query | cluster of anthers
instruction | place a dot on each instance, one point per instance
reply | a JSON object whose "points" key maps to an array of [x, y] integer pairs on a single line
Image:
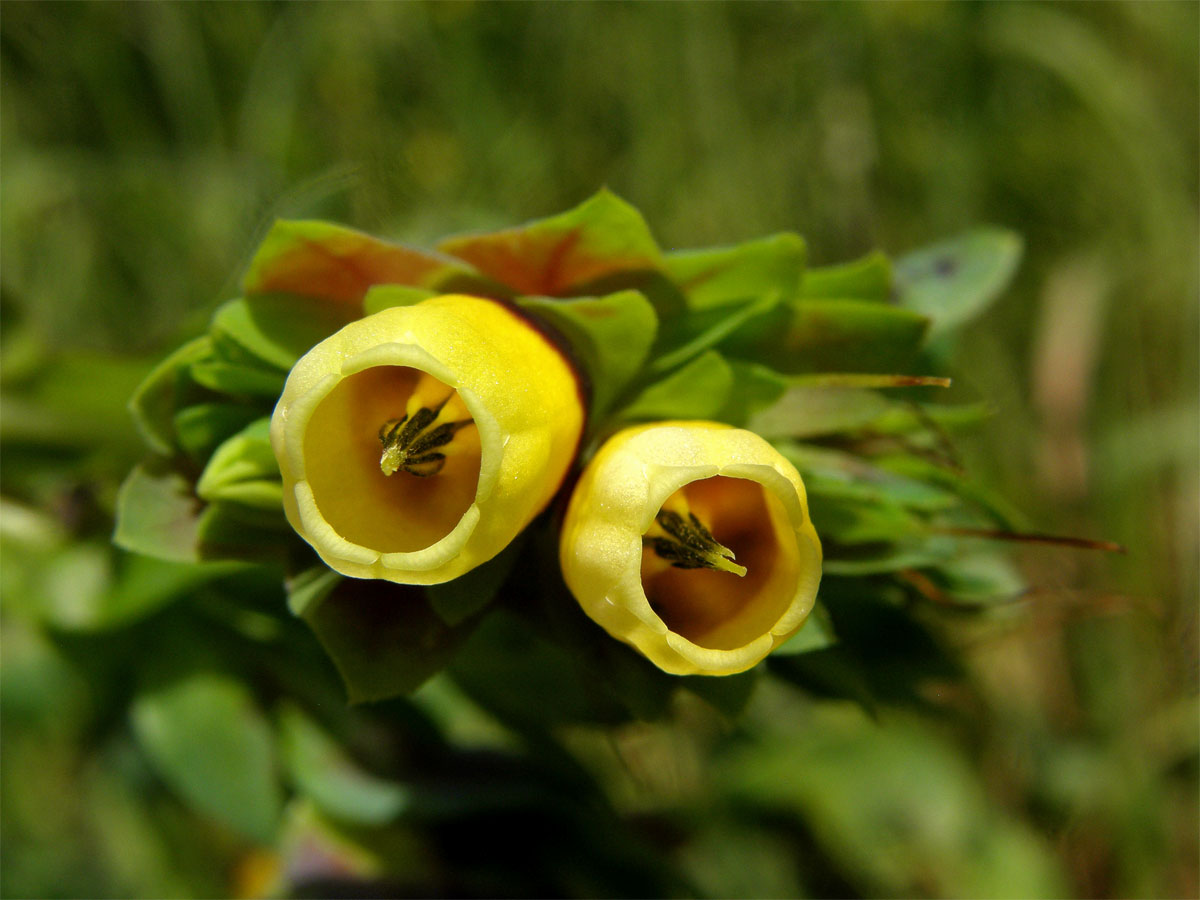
{"points": [[418, 442]]}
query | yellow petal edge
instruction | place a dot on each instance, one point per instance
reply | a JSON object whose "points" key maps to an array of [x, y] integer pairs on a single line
{"points": [[698, 621], [490, 365]]}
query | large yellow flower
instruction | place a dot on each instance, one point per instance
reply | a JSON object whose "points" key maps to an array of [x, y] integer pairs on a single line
{"points": [[416, 443], [691, 541]]}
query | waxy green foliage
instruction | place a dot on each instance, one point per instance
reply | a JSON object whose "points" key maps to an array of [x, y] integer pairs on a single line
{"points": [[819, 360]]}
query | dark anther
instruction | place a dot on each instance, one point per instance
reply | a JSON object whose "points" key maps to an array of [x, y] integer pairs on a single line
{"points": [[689, 545], [409, 446]]}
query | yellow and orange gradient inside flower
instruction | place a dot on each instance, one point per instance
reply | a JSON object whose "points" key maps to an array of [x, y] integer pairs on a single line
{"points": [[691, 541], [416, 443]]}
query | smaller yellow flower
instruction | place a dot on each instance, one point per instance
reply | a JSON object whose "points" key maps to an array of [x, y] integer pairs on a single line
{"points": [[691, 541], [416, 443]]}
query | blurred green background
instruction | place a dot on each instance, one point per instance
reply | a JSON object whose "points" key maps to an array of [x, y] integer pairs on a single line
{"points": [[145, 149]]}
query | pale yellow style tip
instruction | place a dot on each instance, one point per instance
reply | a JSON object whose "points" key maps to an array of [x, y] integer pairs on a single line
{"points": [[653, 530], [417, 442]]}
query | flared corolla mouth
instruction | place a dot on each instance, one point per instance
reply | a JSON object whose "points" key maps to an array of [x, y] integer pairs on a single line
{"points": [[720, 565], [391, 459]]}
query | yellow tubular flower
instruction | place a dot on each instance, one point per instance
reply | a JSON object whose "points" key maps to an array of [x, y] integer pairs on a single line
{"points": [[416, 443], [691, 541]]}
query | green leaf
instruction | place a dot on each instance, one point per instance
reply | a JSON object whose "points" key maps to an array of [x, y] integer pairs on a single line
{"points": [[852, 561], [92, 588], [904, 417], [850, 521], [390, 295], [724, 275], [209, 742], [728, 694], [699, 390], [813, 411], [458, 600], [998, 508], [612, 336], [979, 578], [562, 255], [956, 280], [338, 265], [816, 634], [237, 379], [233, 531], [892, 653], [384, 638], [868, 278], [202, 427], [528, 681], [310, 586], [277, 329], [896, 806], [685, 337], [244, 470], [755, 388], [154, 403], [831, 336], [158, 514], [321, 770], [834, 473]]}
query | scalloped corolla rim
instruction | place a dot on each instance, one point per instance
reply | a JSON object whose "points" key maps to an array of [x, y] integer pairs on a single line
{"points": [[354, 559], [620, 604]]}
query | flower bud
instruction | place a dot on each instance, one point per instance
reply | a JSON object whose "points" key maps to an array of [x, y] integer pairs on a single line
{"points": [[691, 541], [417, 442]]}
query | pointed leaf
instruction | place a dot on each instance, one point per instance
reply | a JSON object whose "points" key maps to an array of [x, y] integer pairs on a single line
{"points": [[238, 379], [868, 278], [158, 514], [1004, 513], [892, 652], [857, 560], [811, 411], [322, 771], [834, 473], [334, 263], [210, 743], [686, 337], [310, 586], [847, 520], [815, 634], [728, 694], [235, 531], [244, 470], [979, 578], [202, 427], [954, 281], [526, 680], [755, 388], [697, 391], [277, 329], [384, 638], [93, 588], [611, 335], [458, 600], [154, 403], [831, 336], [724, 275], [557, 256]]}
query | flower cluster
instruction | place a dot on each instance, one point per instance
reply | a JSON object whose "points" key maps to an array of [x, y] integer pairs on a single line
{"points": [[419, 441], [384, 423]]}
